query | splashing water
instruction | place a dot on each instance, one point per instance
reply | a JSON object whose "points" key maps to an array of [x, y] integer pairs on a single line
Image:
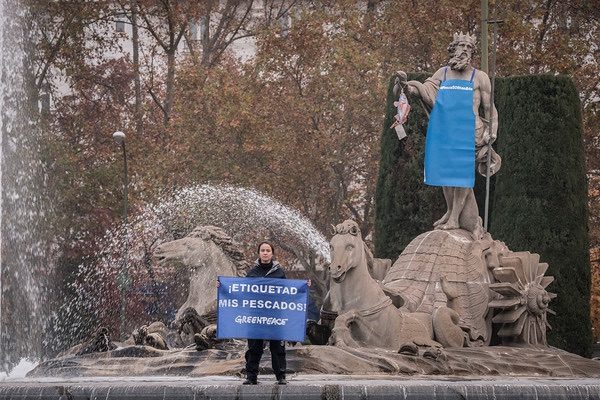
{"points": [[23, 263], [3, 89], [245, 214], [19, 370], [239, 211]]}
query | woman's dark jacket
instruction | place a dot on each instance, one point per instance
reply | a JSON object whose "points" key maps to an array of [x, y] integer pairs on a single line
{"points": [[270, 270]]}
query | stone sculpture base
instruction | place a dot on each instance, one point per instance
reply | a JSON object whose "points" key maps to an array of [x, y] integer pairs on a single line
{"points": [[461, 362]]}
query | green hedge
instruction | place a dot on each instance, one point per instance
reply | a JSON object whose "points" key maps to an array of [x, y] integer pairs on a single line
{"points": [[538, 198]]}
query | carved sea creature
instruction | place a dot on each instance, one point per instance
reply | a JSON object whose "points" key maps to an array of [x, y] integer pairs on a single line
{"points": [[190, 324], [207, 338], [153, 335], [98, 343]]}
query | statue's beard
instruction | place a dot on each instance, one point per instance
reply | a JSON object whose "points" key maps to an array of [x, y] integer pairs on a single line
{"points": [[459, 62]]}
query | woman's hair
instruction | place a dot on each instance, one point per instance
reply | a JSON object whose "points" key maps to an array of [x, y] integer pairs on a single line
{"points": [[270, 245]]}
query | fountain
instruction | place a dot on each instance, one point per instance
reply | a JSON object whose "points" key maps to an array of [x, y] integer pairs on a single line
{"points": [[246, 213], [23, 248], [187, 373], [472, 372]]}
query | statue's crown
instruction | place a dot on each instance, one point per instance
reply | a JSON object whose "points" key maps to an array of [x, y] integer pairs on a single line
{"points": [[464, 37]]}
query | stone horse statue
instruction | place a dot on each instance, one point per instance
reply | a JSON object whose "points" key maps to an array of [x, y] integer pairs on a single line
{"points": [[367, 316], [205, 253]]}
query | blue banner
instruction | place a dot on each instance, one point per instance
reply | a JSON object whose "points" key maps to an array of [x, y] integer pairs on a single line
{"points": [[262, 308]]}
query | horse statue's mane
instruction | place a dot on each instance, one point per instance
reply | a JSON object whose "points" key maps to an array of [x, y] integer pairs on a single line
{"points": [[219, 237], [348, 226], [351, 227]]}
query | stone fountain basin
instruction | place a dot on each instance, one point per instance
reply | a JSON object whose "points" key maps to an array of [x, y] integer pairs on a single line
{"points": [[496, 361], [314, 372]]}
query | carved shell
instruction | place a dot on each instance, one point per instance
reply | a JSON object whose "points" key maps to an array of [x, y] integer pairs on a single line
{"points": [[454, 256], [524, 302]]}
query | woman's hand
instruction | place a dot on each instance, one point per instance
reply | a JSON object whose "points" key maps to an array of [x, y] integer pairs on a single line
{"points": [[218, 283]]}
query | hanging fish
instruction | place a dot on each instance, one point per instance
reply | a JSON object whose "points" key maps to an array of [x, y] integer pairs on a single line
{"points": [[402, 115]]}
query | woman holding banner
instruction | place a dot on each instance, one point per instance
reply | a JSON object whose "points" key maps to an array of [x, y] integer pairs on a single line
{"points": [[265, 267]]}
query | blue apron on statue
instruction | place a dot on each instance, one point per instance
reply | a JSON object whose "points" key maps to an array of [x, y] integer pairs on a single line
{"points": [[450, 142]]}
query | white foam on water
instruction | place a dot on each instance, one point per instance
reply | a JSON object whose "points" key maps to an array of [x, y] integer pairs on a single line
{"points": [[20, 370]]}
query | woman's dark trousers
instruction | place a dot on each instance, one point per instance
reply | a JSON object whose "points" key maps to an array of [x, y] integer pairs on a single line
{"points": [[254, 353]]}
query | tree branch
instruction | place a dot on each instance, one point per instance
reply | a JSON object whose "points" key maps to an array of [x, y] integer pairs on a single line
{"points": [[158, 103], [151, 28]]}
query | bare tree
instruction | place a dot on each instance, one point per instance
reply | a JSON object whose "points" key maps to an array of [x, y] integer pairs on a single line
{"points": [[57, 37], [166, 21]]}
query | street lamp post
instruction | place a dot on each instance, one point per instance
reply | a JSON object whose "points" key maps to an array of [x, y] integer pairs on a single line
{"points": [[123, 276]]}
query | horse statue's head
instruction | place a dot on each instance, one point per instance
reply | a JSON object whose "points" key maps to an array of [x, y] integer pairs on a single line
{"points": [[204, 247], [204, 254], [347, 250]]}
